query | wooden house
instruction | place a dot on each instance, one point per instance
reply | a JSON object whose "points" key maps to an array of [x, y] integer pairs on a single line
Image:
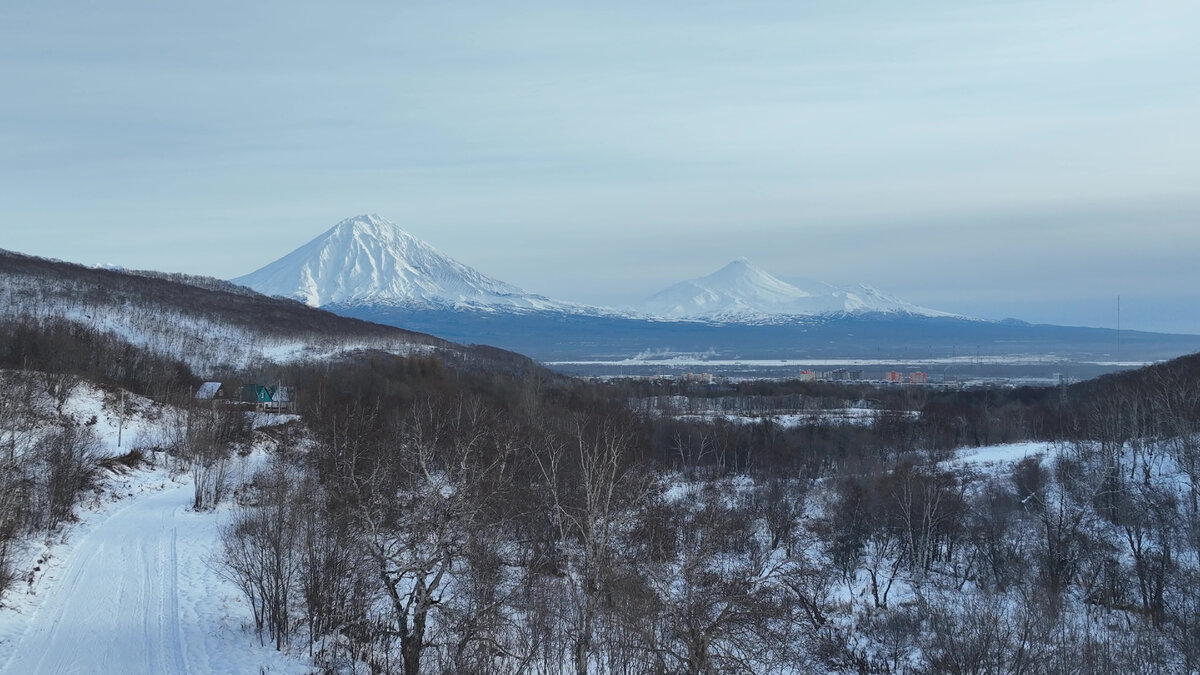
{"points": [[283, 399], [273, 399], [212, 391], [256, 393]]}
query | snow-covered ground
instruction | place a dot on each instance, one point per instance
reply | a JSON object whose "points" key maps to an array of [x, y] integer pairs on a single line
{"points": [[996, 455], [134, 590], [131, 586]]}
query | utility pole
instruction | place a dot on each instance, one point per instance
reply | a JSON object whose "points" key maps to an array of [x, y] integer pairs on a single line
{"points": [[1118, 329], [121, 419]]}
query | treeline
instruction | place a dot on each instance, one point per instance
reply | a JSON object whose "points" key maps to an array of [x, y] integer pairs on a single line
{"points": [[1148, 401], [74, 350], [1156, 402], [744, 434], [940, 418]]}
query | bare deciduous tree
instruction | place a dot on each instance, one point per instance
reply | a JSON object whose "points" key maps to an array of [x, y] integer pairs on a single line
{"points": [[590, 485]]}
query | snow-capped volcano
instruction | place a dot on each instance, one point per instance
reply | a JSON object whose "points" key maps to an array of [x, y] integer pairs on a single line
{"points": [[742, 291], [368, 264], [368, 260]]}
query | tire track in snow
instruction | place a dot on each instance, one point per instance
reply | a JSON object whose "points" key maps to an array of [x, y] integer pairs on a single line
{"points": [[174, 632], [77, 561]]}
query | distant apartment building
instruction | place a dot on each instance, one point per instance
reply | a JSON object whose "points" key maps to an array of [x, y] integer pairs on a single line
{"points": [[844, 375], [894, 376], [808, 375], [918, 378]]}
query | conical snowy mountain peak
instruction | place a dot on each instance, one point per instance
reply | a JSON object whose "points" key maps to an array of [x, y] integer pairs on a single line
{"points": [[753, 284], [368, 260], [741, 291]]}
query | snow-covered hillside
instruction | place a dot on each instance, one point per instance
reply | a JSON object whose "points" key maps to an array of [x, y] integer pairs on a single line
{"points": [[369, 260], [740, 291], [185, 320]]}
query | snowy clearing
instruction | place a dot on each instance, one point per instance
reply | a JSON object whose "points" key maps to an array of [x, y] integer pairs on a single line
{"points": [[1000, 454]]}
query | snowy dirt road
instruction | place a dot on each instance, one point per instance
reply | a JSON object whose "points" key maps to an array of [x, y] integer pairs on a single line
{"points": [[136, 594], [115, 607]]}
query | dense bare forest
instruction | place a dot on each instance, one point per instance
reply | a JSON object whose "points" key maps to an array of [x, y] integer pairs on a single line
{"points": [[488, 524]]}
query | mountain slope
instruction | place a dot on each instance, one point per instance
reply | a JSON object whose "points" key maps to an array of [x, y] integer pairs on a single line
{"points": [[740, 291], [367, 260]]}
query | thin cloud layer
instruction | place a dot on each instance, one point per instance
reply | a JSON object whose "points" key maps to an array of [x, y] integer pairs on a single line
{"points": [[971, 157]]}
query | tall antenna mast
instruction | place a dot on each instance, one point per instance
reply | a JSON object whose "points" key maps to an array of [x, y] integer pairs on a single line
{"points": [[1118, 329]]}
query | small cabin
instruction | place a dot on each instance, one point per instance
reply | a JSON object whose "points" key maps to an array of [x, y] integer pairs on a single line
{"points": [[283, 399], [212, 391]]}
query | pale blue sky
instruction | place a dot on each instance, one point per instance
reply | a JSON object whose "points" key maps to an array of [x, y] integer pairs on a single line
{"points": [[1029, 159]]}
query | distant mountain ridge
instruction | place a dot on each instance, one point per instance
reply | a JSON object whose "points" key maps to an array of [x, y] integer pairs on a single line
{"points": [[368, 261], [741, 291]]}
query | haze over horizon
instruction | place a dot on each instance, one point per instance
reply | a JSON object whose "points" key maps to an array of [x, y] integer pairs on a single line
{"points": [[1020, 159]]}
